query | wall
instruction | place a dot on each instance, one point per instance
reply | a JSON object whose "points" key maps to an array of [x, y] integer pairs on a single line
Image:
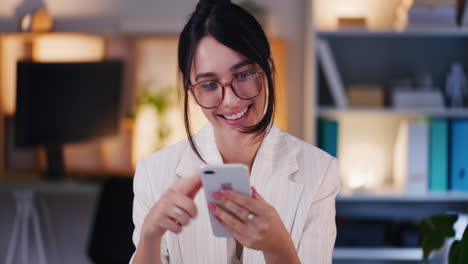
{"points": [[112, 16]]}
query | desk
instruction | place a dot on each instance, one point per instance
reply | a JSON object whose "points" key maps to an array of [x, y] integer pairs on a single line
{"points": [[32, 213]]}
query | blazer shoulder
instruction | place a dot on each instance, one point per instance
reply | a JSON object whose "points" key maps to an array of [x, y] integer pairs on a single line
{"points": [[314, 163], [307, 151], [170, 152], [165, 160]]}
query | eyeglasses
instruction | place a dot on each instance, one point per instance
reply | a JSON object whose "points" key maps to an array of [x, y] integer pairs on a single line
{"points": [[245, 85]]}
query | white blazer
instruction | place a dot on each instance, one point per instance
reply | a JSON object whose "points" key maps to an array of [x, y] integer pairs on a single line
{"points": [[299, 180]]}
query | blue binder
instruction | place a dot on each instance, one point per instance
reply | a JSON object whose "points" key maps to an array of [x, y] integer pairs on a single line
{"points": [[438, 155], [328, 136], [459, 155]]}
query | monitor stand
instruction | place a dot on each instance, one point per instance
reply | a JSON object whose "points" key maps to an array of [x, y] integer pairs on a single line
{"points": [[55, 162]]}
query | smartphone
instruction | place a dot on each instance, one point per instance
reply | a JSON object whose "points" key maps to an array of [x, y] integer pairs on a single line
{"points": [[231, 176]]}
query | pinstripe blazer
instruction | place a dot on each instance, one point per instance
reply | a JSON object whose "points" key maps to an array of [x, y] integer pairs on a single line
{"points": [[299, 180]]}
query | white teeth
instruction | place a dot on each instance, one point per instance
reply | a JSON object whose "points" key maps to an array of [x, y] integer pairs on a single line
{"points": [[237, 116]]}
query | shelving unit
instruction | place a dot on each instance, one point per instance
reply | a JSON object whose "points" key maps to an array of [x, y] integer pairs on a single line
{"points": [[378, 254], [397, 197], [409, 32], [393, 205], [331, 112], [377, 57]]}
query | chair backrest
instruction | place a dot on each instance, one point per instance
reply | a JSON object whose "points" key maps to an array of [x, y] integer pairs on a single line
{"points": [[111, 234]]}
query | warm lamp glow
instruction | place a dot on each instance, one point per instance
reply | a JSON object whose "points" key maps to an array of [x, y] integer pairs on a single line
{"points": [[365, 150], [145, 138], [53, 47], [68, 48], [13, 49], [364, 167]]}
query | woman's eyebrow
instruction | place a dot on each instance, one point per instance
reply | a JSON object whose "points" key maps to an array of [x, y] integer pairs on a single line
{"points": [[233, 67], [205, 74], [240, 64]]}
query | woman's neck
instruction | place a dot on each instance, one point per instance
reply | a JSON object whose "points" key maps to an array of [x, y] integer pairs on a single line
{"points": [[240, 149]]}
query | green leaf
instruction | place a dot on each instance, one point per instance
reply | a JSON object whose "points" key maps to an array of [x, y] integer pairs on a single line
{"points": [[434, 232], [463, 248], [454, 252]]}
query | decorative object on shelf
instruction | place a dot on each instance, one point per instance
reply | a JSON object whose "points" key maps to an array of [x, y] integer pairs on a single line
{"points": [[432, 13], [366, 95], [41, 21], [411, 158], [422, 80], [332, 75], [461, 6], [401, 15], [352, 22], [449, 235], [410, 98], [416, 92], [25, 23], [456, 86]]}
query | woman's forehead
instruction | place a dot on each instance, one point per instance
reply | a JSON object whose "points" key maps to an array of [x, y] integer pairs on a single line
{"points": [[212, 56]]}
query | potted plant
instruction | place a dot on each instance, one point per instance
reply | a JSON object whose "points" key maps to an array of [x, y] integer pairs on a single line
{"points": [[435, 230]]}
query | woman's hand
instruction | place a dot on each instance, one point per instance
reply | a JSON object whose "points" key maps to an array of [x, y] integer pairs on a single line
{"points": [[255, 224], [174, 209]]}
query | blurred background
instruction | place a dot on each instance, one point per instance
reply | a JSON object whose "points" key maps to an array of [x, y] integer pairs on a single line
{"points": [[89, 88]]}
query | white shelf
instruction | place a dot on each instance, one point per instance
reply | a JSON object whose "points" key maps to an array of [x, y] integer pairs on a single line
{"points": [[331, 112], [391, 196], [378, 254], [410, 32]]}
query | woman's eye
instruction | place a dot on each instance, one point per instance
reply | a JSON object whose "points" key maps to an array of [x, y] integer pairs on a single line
{"points": [[243, 75], [209, 85]]}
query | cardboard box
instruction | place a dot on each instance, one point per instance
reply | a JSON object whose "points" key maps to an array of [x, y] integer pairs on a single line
{"points": [[366, 96]]}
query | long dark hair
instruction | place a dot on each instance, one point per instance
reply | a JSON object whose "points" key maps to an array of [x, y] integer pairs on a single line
{"points": [[237, 29]]}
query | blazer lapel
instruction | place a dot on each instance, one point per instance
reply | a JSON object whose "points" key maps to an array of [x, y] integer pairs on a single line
{"points": [[197, 240], [272, 176]]}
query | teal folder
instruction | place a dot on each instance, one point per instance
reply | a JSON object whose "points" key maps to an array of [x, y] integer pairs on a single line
{"points": [[459, 155], [328, 136], [438, 155]]}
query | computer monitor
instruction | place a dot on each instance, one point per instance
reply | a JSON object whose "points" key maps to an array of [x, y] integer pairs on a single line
{"points": [[59, 103]]}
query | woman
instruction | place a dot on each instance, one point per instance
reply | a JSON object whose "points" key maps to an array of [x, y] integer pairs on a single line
{"points": [[226, 65]]}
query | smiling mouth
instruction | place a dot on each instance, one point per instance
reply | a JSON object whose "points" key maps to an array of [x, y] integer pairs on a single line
{"points": [[236, 116]]}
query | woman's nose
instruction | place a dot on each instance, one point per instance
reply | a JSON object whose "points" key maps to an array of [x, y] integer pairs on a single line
{"points": [[230, 98]]}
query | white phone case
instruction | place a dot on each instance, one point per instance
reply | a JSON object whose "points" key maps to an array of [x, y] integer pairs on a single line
{"points": [[224, 176]]}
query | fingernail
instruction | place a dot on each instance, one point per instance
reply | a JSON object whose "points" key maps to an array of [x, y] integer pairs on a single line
{"points": [[254, 192], [211, 207], [217, 196], [226, 193]]}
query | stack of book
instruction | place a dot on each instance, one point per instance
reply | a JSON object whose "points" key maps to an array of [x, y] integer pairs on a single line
{"points": [[432, 156], [428, 156], [328, 136]]}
